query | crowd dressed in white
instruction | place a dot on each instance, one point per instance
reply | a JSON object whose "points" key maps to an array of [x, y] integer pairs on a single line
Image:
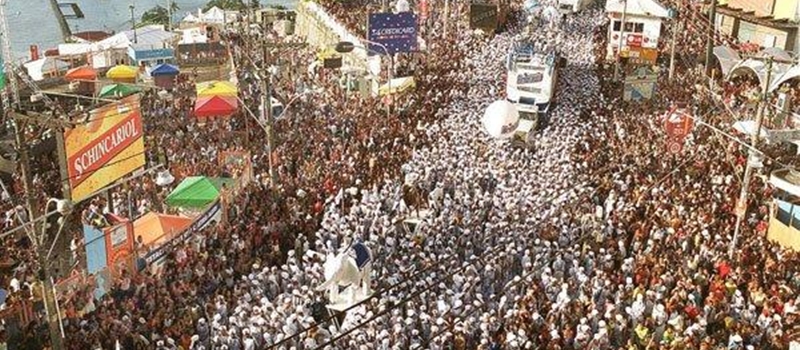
{"points": [[504, 249]]}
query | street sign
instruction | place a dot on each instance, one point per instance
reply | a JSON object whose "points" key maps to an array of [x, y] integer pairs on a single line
{"points": [[678, 122], [675, 146]]}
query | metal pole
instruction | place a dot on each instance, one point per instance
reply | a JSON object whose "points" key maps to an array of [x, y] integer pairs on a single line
{"points": [[672, 50], [133, 24], [446, 16], [37, 238], [58, 307], [169, 15], [712, 14], [391, 77], [621, 35], [748, 171], [266, 104]]}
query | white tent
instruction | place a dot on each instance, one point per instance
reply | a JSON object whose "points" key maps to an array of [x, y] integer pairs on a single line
{"points": [[44, 66], [190, 18], [649, 8], [213, 15]]}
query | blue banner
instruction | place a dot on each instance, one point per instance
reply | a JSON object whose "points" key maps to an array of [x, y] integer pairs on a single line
{"points": [[395, 32], [95, 244]]}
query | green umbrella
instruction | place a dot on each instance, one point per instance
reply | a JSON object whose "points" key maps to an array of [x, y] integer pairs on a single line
{"points": [[118, 90]]}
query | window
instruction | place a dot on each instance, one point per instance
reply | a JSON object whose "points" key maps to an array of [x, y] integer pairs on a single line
{"points": [[629, 26], [638, 28], [529, 78], [617, 24], [784, 214]]}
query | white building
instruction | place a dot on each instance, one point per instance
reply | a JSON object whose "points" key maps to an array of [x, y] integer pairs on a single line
{"points": [[125, 47], [642, 27]]}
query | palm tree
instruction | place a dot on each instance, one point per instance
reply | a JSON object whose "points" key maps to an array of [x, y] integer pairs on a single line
{"points": [[158, 15]]}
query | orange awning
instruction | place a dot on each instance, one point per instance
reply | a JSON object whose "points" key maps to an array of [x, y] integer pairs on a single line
{"points": [[81, 73], [156, 229]]}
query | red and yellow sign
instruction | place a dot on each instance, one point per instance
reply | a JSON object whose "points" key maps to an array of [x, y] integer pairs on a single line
{"points": [[106, 149]]}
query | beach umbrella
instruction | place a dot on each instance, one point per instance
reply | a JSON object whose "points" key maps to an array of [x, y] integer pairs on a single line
{"points": [[81, 73], [118, 90], [122, 73], [164, 69], [215, 106], [216, 88]]}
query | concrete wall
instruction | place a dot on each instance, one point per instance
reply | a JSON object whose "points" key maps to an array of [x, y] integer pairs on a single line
{"points": [[785, 9], [322, 31], [784, 235]]}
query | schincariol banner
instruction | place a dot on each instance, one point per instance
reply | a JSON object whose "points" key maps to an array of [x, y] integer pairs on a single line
{"points": [[105, 149]]}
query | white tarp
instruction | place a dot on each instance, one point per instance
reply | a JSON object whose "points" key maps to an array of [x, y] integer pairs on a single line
{"points": [[48, 65], [728, 58], [748, 127]]}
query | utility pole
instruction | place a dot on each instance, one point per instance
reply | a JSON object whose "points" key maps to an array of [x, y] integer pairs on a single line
{"points": [[676, 28], [446, 16], [712, 17], [169, 15], [266, 105], [741, 204], [621, 36], [37, 235], [133, 24]]}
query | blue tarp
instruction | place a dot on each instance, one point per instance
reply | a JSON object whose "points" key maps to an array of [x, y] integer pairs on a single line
{"points": [[95, 249], [164, 69]]}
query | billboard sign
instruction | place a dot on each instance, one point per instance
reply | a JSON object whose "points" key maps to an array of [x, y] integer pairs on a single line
{"points": [[483, 17], [396, 32], [105, 149], [678, 123]]}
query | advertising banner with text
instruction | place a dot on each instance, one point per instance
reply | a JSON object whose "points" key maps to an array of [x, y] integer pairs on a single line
{"points": [[395, 32], [483, 17], [108, 147]]}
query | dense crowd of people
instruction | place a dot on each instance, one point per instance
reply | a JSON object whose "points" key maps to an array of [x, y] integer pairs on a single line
{"points": [[594, 239]]}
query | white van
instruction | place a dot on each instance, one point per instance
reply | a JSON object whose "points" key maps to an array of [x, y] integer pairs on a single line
{"points": [[572, 6]]}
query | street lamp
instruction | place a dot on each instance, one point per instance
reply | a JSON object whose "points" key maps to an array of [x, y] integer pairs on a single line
{"points": [[346, 47], [294, 99], [164, 178]]}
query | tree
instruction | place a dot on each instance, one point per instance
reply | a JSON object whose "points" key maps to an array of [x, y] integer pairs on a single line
{"points": [[232, 5], [158, 15]]}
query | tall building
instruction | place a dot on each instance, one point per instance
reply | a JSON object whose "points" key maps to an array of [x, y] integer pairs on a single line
{"points": [[767, 23]]}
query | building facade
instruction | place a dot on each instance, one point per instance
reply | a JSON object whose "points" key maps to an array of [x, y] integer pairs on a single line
{"points": [[767, 23]]}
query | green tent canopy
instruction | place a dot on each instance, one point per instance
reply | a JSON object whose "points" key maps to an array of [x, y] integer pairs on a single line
{"points": [[198, 191], [118, 90]]}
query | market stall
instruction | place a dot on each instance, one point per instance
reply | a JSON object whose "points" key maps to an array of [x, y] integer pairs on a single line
{"points": [[84, 79], [164, 75]]}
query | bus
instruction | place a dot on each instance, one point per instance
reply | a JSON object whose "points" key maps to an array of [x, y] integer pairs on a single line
{"points": [[531, 80]]}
